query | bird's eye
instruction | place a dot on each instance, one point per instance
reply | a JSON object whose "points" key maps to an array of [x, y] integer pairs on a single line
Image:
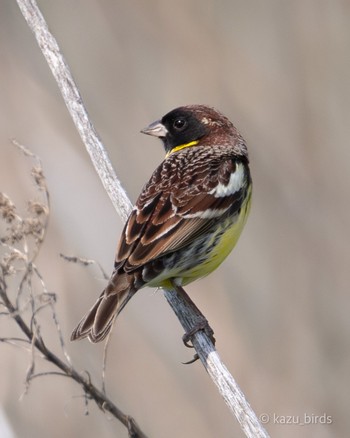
{"points": [[179, 124]]}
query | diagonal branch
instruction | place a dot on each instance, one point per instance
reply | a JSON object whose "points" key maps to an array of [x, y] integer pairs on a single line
{"points": [[90, 390], [201, 341], [20, 243]]}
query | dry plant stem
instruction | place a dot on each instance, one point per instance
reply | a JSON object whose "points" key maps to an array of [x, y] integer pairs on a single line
{"points": [[202, 343], [76, 108], [21, 241], [90, 390], [217, 370]]}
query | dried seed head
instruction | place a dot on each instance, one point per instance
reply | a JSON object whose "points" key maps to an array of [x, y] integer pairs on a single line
{"points": [[14, 233], [37, 208], [7, 208], [39, 178], [8, 261], [33, 226]]}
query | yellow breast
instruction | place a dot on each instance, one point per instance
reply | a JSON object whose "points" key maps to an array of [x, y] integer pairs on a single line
{"points": [[224, 246]]}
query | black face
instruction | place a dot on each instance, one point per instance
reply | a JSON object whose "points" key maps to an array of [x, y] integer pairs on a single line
{"points": [[182, 128]]}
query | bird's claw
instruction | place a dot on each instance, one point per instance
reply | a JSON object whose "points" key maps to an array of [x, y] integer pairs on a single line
{"points": [[195, 358], [187, 337]]}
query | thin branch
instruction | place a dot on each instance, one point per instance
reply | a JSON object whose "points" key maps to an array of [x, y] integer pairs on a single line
{"points": [[205, 349], [76, 108], [20, 232], [85, 262], [50, 299], [13, 341], [90, 390]]}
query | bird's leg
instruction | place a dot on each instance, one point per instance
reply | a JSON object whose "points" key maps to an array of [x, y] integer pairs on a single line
{"points": [[201, 322]]}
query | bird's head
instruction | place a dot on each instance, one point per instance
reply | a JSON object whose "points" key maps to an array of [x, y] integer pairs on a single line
{"points": [[195, 125]]}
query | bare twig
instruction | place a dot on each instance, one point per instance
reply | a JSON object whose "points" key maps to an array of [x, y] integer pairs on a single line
{"points": [[85, 262], [90, 390], [74, 102], [201, 341], [22, 242]]}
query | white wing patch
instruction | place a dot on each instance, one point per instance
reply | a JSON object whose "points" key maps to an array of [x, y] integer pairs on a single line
{"points": [[235, 183], [206, 214]]}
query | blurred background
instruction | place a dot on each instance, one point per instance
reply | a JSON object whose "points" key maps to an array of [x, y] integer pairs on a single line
{"points": [[279, 305]]}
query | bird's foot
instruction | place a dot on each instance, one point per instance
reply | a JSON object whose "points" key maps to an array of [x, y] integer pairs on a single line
{"points": [[187, 337]]}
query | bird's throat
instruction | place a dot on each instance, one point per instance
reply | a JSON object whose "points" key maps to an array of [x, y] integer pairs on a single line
{"points": [[182, 146]]}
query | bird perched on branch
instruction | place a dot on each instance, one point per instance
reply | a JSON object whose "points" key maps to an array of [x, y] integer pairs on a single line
{"points": [[188, 216]]}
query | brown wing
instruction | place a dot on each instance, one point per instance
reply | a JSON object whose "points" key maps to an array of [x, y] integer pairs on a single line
{"points": [[173, 211]]}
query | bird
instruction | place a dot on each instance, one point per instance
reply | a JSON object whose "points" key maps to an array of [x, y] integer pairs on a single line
{"points": [[188, 216]]}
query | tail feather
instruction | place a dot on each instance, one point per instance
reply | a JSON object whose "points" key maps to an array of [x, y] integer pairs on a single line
{"points": [[97, 323]]}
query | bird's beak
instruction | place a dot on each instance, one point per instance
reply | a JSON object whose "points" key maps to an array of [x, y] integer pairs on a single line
{"points": [[157, 129]]}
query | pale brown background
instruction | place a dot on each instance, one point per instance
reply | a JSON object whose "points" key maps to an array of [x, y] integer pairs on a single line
{"points": [[280, 304]]}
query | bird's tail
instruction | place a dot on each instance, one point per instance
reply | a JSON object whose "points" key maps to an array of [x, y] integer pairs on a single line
{"points": [[98, 322]]}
